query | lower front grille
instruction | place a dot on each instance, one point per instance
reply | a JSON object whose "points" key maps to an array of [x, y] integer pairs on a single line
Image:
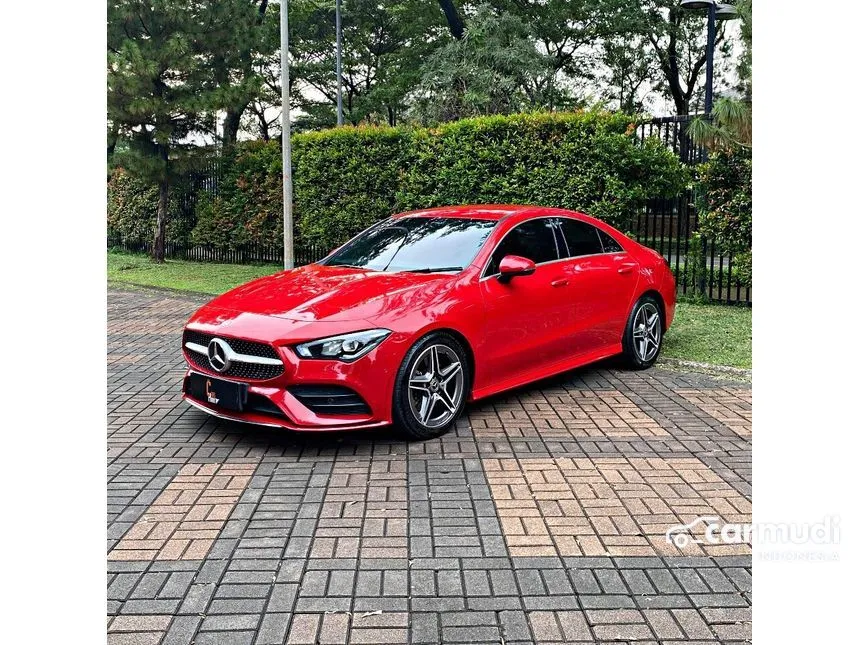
{"points": [[329, 399], [261, 405]]}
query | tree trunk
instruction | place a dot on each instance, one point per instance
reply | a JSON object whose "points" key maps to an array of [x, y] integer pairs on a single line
{"points": [[231, 126], [455, 22], [160, 222]]}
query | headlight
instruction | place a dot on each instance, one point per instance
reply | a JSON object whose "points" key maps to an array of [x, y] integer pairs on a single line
{"points": [[346, 347]]}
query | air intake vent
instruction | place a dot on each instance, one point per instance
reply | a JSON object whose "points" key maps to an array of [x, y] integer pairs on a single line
{"points": [[329, 399]]}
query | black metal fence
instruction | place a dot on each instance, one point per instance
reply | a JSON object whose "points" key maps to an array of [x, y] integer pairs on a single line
{"points": [[666, 225], [238, 254], [669, 226]]}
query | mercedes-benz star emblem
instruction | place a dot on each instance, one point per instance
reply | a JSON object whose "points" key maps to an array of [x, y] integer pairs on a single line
{"points": [[219, 355]]}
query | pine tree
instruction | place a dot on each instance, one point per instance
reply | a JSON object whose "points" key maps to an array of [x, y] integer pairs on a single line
{"points": [[163, 94]]}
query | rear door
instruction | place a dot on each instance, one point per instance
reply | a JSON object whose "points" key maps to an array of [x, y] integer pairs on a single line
{"points": [[526, 316], [602, 278]]}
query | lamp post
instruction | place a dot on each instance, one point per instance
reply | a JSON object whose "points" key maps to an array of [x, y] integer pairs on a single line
{"points": [[286, 148], [716, 11], [339, 64]]}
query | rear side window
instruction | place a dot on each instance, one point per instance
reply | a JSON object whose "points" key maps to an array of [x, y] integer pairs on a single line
{"points": [[581, 238], [534, 240], [609, 243]]}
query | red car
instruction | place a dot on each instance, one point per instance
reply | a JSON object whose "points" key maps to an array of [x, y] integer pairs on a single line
{"points": [[423, 312]]}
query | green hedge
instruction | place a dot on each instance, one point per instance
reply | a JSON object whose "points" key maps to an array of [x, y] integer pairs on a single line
{"points": [[132, 206], [348, 178], [584, 161], [725, 206]]}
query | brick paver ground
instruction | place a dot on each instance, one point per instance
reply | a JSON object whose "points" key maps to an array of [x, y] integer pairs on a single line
{"points": [[540, 518]]}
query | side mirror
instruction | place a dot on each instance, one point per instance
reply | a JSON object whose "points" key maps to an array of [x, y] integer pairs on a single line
{"points": [[514, 265]]}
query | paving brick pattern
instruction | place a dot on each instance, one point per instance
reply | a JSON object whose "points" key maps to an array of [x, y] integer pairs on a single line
{"points": [[183, 522], [539, 519]]}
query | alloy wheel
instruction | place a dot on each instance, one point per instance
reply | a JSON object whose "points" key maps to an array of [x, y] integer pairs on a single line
{"points": [[436, 386], [646, 332]]}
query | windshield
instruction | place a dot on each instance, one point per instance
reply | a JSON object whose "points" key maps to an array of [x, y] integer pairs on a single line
{"points": [[416, 244]]}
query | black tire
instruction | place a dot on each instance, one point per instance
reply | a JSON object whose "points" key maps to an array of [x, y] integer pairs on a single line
{"points": [[633, 347], [404, 417]]}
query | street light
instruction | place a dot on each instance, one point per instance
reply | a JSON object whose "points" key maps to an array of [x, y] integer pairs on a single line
{"points": [[716, 11], [286, 149], [726, 12]]}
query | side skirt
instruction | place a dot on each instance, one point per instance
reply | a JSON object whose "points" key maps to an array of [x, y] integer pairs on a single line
{"points": [[549, 370]]}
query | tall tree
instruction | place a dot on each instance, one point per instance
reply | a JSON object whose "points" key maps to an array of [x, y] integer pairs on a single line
{"points": [[161, 94], [383, 46], [453, 18], [678, 39], [494, 69], [570, 32], [243, 39], [631, 70]]}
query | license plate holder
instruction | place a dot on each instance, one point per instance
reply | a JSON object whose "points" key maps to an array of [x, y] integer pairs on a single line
{"points": [[215, 391]]}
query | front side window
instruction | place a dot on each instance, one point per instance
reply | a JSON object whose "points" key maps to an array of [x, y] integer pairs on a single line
{"points": [[581, 238], [423, 244], [534, 240]]}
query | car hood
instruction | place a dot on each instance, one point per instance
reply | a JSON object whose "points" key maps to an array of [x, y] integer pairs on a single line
{"points": [[332, 294]]}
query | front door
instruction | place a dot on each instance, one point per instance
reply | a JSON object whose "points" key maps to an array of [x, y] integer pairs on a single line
{"points": [[526, 316]]}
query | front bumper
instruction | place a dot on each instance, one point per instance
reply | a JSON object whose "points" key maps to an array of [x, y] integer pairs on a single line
{"points": [[370, 377], [276, 422]]}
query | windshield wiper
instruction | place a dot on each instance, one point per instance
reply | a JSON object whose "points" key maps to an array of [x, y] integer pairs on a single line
{"points": [[434, 269], [351, 266]]}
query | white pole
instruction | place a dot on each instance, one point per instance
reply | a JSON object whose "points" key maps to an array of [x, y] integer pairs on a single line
{"points": [[338, 66], [286, 148]]}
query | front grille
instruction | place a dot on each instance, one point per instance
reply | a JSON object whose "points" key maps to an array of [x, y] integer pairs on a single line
{"points": [[329, 399], [249, 371]]}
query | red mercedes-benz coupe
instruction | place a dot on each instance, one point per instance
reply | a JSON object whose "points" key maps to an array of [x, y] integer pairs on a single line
{"points": [[423, 312]]}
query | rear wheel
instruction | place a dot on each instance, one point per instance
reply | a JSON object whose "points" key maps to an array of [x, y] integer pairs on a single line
{"points": [[643, 336], [431, 387]]}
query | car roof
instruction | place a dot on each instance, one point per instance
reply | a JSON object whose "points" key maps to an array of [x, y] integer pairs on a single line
{"points": [[494, 212]]}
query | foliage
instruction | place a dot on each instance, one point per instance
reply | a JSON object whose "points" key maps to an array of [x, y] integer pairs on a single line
{"points": [[493, 69], [348, 178], [726, 205], [166, 80], [677, 39], [131, 209], [185, 65], [631, 66], [383, 47], [584, 161], [744, 8], [245, 37], [730, 125]]}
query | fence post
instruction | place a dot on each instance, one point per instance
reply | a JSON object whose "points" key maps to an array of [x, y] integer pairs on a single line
{"points": [[701, 266]]}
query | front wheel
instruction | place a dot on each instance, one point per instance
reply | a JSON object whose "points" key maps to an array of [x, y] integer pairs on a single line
{"points": [[643, 336], [431, 387]]}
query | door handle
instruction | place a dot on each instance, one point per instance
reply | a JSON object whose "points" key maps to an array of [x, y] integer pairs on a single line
{"points": [[560, 282], [626, 268]]}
